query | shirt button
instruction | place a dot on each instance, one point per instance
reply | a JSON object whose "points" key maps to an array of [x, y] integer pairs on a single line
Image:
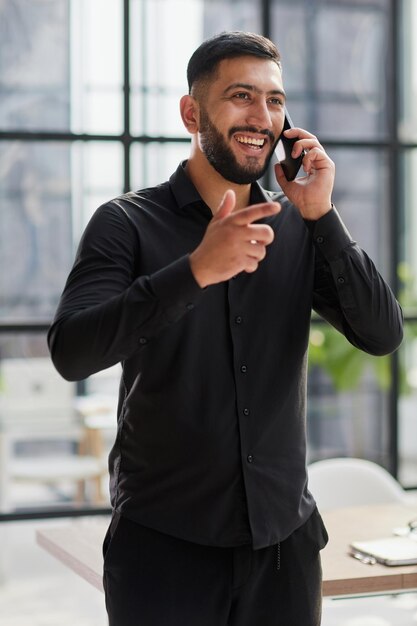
{"points": [[142, 341], [243, 369], [246, 411], [189, 306], [320, 239], [250, 458], [238, 319], [340, 279]]}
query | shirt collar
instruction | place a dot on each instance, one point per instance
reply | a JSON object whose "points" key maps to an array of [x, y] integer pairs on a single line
{"points": [[187, 196], [183, 189]]}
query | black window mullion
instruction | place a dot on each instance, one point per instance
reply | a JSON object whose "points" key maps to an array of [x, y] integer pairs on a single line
{"points": [[126, 96], [396, 199]]}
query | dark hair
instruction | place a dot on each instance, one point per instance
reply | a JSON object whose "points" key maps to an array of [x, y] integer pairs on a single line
{"points": [[228, 44]]}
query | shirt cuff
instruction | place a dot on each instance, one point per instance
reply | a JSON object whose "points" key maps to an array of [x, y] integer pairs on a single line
{"points": [[330, 234], [176, 287]]}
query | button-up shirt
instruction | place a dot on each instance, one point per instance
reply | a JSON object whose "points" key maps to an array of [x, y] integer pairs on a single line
{"points": [[211, 435]]}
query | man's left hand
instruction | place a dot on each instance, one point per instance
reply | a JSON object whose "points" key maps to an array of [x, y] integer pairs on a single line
{"points": [[312, 193]]}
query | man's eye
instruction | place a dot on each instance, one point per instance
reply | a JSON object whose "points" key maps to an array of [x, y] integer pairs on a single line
{"points": [[242, 96], [276, 101]]}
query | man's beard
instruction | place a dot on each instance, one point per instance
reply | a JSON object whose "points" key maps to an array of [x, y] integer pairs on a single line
{"points": [[221, 157]]}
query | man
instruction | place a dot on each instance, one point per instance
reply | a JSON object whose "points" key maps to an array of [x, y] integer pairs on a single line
{"points": [[203, 287]]}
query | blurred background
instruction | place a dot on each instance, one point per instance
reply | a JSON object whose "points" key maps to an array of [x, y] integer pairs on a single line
{"points": [[89, 93]]}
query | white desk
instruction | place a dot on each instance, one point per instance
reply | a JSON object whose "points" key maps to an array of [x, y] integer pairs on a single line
{"points": [[79, 547]]}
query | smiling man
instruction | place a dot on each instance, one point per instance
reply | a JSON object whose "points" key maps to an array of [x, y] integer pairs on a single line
{"points": [[230, 101], [202, 287]]}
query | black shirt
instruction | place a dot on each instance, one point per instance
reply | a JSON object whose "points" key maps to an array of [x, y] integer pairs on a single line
{"points": [[211, 442]]}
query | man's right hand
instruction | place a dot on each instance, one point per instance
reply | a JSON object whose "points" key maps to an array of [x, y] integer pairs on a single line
{"points": [[232, 242]]}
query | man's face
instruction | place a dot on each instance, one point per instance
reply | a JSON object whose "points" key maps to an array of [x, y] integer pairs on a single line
{"points": [[241, 118]]}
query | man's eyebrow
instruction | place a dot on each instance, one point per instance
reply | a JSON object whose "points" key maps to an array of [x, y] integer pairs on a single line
{"points": [[249, 87]]}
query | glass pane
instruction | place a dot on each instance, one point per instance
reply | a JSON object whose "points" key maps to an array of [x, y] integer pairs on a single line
{"points": [[231, 15], [335, 65], [97, 177], [61, 67], [53, 450], [159, 75], [408, 123], [347, 399], [154, 163], [96, 66], [407, 431], [40, 182], [34, 62], [35, 227], [408, 266], [362, 195]]}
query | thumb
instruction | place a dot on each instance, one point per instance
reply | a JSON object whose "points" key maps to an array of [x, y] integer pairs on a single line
{"points": [[226, 205], [280, 176]]}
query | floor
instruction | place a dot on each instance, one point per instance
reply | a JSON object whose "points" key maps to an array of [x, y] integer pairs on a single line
{"points": [[37, 590], [400, 610]]}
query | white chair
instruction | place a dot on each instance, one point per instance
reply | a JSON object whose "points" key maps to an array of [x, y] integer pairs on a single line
{"points": [[37, 406], [343, 482]]}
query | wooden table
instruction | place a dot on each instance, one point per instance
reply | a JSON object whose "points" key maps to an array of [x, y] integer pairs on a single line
{"points": [[78, 545], [344, 575]]}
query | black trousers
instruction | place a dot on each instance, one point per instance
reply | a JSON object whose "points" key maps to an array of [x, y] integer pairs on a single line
{"points": [[153, 579]]}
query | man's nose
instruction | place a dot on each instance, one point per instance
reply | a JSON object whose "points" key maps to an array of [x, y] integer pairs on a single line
{"points": [[259, 115]]}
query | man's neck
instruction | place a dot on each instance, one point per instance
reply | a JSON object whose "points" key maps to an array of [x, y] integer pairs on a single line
{"points": [[212, 186]]}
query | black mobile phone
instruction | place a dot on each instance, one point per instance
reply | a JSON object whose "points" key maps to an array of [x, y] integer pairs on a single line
{"points": [[283, 151]]}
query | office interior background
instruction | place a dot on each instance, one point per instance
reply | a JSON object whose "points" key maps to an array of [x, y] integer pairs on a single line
{"points": [[89, 93]]}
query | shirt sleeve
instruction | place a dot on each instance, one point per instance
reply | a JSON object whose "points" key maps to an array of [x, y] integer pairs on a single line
{"points": [[108, 310], [350, 293]]}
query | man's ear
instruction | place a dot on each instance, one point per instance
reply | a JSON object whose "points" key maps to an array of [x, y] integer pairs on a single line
{"points": [[190, 113]]}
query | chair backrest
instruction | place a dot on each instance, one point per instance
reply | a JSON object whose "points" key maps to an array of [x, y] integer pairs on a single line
{"points": [[33, 393], [341, 482]]}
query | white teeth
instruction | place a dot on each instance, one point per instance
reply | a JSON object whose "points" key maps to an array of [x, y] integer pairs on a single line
{"points": [[252, 141]]}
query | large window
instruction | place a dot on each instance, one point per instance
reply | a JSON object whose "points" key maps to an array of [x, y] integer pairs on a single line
{"points": [[89, 95]]}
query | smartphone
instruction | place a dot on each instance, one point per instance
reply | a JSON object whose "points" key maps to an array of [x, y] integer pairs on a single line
{"points": [[283, 151]]}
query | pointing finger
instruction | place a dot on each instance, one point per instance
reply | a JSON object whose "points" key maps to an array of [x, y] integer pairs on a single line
{"points": [[255, 212], [226, 205]]}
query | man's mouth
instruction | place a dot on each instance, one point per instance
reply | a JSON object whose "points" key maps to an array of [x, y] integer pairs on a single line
{"points": [[253, 142]]}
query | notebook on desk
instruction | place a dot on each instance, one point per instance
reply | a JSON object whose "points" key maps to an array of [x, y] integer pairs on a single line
{"points": [[392, 551]]}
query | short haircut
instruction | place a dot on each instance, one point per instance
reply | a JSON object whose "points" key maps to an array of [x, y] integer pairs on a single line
{"points": [[226, 45]]}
